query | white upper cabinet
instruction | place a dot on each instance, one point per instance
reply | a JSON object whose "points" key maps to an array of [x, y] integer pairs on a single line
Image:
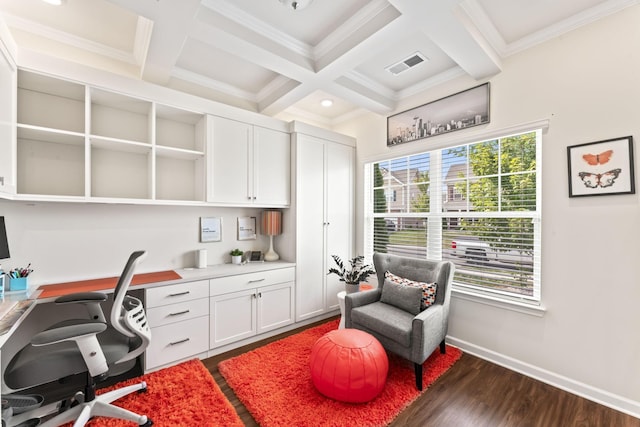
{"points": [[250, 165], [272, 167], [63, 140], [79, 142], [8, 73]]}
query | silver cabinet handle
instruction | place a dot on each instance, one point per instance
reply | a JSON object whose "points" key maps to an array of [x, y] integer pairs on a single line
{"points": [[256, 281], [179, 293], [179, 313], [179, 342]]}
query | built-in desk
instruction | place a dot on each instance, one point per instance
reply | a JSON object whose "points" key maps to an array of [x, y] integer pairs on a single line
{"points": [[105, 284], [184, 300]]}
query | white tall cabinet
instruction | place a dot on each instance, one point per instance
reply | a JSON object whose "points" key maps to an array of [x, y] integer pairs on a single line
{"points": [[324, 219]]}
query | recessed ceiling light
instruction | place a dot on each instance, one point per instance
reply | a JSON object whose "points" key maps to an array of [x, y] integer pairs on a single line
{"points": [[326, 103], [54, 2]]}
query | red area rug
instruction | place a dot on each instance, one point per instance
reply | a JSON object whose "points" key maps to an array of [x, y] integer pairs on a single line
{"points": [[274, 383], [182, 395]]}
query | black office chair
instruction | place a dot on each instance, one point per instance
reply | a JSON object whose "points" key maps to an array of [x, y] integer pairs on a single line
{"points": [[101, 350]]}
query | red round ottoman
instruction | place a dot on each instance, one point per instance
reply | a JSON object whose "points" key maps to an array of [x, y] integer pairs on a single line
{"points": [[349, 365]]}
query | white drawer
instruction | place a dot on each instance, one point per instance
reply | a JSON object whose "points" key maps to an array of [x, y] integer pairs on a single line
{"points": [[170, 294], [158, 316], [177, 341], [223, 285]]}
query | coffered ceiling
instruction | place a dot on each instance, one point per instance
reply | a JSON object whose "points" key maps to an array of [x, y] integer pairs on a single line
{"points": [[264, 56]]}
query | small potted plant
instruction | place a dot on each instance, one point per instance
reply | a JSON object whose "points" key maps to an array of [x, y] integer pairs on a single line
{"points": [[236, 256], [352, 277]]}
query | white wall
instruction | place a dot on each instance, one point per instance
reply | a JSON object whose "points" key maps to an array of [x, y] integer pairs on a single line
{"points": [[586, 84], [73, 241]]}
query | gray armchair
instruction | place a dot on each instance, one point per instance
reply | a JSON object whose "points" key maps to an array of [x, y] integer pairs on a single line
{"points": [[412, 336]]}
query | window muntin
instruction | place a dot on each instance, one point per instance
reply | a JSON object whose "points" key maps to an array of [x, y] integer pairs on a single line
{"points": [[476, 204]]}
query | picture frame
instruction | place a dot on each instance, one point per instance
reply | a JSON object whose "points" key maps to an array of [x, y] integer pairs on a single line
{"points": [[601, 168], [247, 228], [455, 112], [210, 229]]}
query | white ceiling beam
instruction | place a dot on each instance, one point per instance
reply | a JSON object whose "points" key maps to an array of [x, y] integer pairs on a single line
{"points": [[245, 48], [449, 27], [172, 23]]}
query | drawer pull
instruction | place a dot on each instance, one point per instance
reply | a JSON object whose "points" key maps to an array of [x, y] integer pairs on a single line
{"points": [[179, 313], [179, 294], [179, 342], [256, 281]]}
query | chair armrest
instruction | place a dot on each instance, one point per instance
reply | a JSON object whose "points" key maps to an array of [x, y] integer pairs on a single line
{"points": [[65, 333], [358, 299], [91, 301], [81, 297], [84, 336], [428, 331]]}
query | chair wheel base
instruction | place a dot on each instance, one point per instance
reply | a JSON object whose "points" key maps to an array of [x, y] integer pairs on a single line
{"points": [[149, 423]]}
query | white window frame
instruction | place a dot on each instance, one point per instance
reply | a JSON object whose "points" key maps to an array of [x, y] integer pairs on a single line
{"points": [[529, 305]]}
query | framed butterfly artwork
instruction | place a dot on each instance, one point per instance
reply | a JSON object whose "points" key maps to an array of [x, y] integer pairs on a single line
{"points": [[602, 167]]}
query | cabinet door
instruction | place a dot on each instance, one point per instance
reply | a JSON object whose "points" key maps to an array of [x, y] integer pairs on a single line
{"points": [[229, 160], [310, 227], [339, 199], [8, 88], [233, 317], [275, 306], [272, 167]]}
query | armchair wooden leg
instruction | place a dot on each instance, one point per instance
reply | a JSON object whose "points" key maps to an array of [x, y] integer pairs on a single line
{"points": [[443, 348], [418, 368]]}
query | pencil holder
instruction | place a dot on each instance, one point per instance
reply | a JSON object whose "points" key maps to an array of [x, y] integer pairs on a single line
{"points": [[18, 284]]}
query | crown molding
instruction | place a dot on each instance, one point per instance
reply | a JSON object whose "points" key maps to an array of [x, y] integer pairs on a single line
{"points": [[142, 41], [342, 33], [70, 40], [199, 79], [484, 24], [370, 84], [445, 76], [271, 87]]}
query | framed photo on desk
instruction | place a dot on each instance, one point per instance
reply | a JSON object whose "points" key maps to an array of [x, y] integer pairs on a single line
{"points": [[247, 228]]}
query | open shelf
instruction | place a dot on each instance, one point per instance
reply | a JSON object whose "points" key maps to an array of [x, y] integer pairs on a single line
{"points": [[178, 128], [51, 167], [120, 117], [120, 174], [179, 179], [50, 103], [75, 140]]}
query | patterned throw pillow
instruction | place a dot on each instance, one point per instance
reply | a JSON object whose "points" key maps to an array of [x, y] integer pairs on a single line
{"points": [[428, 289]]}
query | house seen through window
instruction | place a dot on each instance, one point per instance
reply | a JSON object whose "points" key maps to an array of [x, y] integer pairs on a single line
{"points": [[477, 205]]}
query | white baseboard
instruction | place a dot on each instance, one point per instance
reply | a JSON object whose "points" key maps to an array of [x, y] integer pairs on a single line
{"points": [[594, 394]]}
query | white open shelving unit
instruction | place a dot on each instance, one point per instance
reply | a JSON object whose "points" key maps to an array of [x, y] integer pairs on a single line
{"points": [[76, 142]]}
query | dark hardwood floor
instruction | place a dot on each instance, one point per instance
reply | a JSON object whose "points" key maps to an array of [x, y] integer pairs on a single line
{"points": [[475, 393]]}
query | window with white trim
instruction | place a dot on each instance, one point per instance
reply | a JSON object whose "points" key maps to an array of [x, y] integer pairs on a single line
{"points": [[476, 204]]}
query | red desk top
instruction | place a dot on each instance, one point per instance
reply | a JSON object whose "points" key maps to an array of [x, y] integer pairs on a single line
{"points": [[58, 289]]}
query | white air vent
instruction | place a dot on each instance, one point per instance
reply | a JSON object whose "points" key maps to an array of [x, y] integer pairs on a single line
{"points": [[406, 63]]}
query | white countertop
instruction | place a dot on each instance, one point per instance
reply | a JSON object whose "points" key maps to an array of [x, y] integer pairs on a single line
{"points": [[223, 270]]}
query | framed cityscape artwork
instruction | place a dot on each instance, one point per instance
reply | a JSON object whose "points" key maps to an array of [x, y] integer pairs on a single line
{"points": [[602, 167], [455, 112]]}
